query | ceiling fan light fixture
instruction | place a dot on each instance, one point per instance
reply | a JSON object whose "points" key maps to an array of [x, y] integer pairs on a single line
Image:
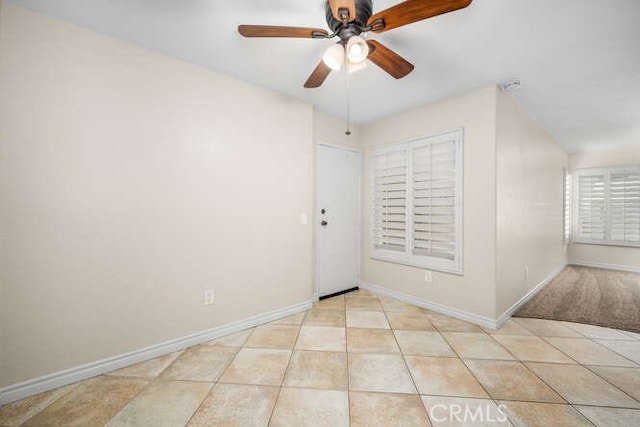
{"points": [[347, 19], [334, 57], [357, 49]]}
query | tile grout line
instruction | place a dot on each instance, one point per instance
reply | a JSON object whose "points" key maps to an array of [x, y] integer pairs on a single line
{"points": [[346, 351], [75, 385], [471, 372], [546, 339], [594, 340], [523, 364], [166, 368], [286, 371], [404, 359], [571, 326], [576, 364], [130, 400], [204, 399], [517, 319], [216, 382], [588, 367], [566, 403]]}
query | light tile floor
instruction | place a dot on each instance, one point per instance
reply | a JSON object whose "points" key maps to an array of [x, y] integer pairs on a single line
{"points": [[364, 360]]}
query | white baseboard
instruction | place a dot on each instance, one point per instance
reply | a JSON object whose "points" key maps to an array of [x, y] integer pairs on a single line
{"points": [[438, 308], [460, 314], [618, 267], [58, 379], [522, 301]]}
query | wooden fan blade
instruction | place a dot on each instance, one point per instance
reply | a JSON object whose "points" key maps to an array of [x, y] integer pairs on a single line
{"points": [[349, 5], [318, 76], [411, 11], [274, 31], [388, 60]]}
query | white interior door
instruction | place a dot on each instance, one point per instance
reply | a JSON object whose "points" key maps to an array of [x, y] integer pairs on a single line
{"points": [[338, 219]]}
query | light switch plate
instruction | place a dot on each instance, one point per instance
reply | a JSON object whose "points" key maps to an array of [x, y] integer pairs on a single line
{"points": [[209, 296]]}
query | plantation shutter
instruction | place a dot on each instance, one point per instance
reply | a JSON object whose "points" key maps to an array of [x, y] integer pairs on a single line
{"points": [[624, 206], [417, 202], [390, 187], [592, 207], [433, 219], [567, 207]]}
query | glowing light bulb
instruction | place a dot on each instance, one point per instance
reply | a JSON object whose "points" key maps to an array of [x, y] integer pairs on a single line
{"points": [[334, 57], [357, 49]]}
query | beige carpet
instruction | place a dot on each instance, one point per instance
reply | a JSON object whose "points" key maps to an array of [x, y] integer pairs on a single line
{"points": [[589, 295]]}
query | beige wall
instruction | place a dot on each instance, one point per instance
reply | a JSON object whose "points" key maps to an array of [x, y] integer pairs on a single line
{"points": [[601, 254], [474, 292], [529, 222], [331, 130], [129, 184]]}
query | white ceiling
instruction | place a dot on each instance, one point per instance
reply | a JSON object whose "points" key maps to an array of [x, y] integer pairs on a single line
{"points": [[579, 60]]}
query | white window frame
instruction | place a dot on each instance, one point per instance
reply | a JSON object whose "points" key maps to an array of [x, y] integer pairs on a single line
{"points": [[608, 241], [455, 266], [567, 207]]}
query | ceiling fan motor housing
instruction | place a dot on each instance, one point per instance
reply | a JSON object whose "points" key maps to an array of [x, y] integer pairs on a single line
{"points": [[364, 10]]}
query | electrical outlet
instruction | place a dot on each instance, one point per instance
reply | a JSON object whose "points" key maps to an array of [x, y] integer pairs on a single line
{"points": [[428, 276], [209, 296]]}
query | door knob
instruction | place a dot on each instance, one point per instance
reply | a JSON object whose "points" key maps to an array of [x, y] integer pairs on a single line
{"points": [[324, 223]]}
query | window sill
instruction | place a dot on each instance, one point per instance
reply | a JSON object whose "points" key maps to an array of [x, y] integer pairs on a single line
{"points": [[423, 265], [617, 245]]}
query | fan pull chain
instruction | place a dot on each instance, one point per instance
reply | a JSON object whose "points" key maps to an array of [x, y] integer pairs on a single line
{"points": [[348, 132]]}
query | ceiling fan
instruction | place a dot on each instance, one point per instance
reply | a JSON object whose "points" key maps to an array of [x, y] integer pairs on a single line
{"points": [[350, 18]]}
